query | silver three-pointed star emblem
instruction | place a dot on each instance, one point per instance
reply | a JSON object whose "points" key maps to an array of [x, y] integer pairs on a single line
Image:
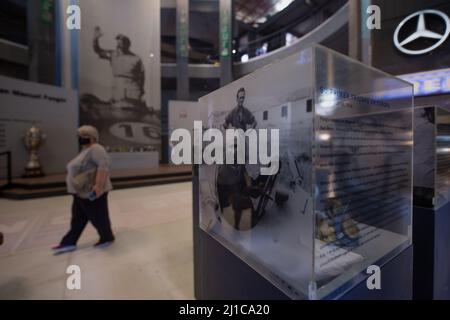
{"points": [[422, 32]]}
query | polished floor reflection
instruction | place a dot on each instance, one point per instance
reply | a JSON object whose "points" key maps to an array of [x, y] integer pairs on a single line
{"points": [[151, 258]]}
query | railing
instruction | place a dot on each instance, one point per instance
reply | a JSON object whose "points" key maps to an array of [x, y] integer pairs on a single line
{"points": [[338, 20], [285, 36], [197, 54], [6, 180], [210, 68], [267, 43]]}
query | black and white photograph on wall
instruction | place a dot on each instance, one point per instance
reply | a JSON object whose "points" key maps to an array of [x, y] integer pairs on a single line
{"points": [[118, 91]]}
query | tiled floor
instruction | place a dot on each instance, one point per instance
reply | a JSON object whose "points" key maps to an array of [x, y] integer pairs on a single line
{"points": [[151, 258]]}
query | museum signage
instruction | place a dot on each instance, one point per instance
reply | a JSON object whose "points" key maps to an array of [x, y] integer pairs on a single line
{"points": [[422, 32], [413, 37]]}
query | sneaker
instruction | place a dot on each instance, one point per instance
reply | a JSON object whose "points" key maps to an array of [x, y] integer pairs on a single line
{"points": [[103, 244], [63, 249]]}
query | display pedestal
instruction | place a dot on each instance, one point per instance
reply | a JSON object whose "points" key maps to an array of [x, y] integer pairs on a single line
{"points": [[431, 238], [220, 275]]}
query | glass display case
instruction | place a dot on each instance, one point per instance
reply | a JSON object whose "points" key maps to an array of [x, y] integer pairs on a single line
{"points": [[341, 199], [431, 157]]}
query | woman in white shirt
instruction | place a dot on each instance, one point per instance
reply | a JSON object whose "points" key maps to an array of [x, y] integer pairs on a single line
{"points": [[89, 203]]}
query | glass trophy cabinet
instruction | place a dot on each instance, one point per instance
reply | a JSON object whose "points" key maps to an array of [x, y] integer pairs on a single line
{"points": [[341, 199]]}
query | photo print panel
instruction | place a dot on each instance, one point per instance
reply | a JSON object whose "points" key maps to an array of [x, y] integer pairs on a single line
{"points": [[119, 72], [266, 220]]}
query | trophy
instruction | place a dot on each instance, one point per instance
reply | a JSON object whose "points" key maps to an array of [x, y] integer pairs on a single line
{"points": [[33, 139]]}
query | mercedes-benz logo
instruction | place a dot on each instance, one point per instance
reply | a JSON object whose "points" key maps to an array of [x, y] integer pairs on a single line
{"points": [[422, 32]]}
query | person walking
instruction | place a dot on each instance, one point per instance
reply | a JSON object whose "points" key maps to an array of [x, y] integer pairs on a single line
{"points": [[88, 181]]}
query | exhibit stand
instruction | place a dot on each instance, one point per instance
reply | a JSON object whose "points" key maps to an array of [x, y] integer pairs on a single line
{"points": [[332, 207], [431, 213]]}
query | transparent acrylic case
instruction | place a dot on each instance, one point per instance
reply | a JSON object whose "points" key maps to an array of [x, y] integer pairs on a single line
{"points": [[431, 157], [342, 197]]}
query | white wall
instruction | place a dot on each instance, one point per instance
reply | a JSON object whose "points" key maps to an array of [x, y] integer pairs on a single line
{"points": [[182, 114], [24, 102]]}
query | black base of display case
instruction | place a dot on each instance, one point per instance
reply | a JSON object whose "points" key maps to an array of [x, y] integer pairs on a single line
{"points": [[431, 238], [221, 275]]}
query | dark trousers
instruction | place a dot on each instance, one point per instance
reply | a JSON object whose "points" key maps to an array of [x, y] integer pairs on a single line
{"points": [[84, 210]]}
